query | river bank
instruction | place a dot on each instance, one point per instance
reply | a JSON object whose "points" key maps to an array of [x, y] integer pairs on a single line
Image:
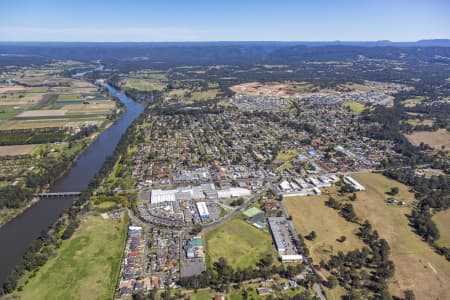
{"points": [[16, 235]]}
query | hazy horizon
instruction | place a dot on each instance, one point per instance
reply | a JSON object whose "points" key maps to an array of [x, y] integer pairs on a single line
{"points": [[206, 21]]}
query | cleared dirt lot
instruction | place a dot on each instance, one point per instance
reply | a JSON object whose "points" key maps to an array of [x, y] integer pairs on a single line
{"points": [[16, 149], [435, 139], [273, 89]]}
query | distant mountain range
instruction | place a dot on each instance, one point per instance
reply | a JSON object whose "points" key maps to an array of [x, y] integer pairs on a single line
{"points": [[381, 43]]}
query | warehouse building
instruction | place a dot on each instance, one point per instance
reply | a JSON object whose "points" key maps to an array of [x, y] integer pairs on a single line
{"points": [[202, 210], [283, 240], [355, 184], [198, 192]]}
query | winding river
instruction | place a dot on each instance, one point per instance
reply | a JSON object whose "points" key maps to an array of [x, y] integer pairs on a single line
{"points": [[16, 235]]}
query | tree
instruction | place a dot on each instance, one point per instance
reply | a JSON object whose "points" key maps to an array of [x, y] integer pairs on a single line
{"points": [[312, 236], [394, 191], [332, 281], [342, 238]]}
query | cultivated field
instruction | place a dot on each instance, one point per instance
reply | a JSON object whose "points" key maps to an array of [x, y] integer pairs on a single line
{"points": [[42, 113], [239, 242], [310, 213], [103, 107], [442, 220], [16, 150], [21, 97], [44, 98], [11, 88], [86, 266], [435, 139], [417, 266]]}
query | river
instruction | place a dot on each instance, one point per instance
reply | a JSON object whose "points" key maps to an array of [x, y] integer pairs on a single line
{"points": [[16, 235]]}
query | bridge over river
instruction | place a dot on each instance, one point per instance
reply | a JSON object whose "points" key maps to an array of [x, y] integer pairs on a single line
{"points": [[57, 195]]}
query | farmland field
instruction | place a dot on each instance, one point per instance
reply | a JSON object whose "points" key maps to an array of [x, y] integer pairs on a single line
{"points": [[442, 220], [417, 266], [310, 213], [16, 149], [239, 242], [42, 113], [86, 266], [52, 100]]}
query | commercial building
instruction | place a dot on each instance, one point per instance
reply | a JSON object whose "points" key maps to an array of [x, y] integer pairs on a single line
{"points": [[198, 192], [158, 196], [283, 240], [202, 210]]}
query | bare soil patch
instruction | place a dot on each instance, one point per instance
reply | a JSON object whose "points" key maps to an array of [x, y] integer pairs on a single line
{"points": [[273, 89], [16, 149]]}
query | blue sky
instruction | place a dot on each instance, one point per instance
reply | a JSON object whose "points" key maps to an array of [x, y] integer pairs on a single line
{"points": [[226, 20]]}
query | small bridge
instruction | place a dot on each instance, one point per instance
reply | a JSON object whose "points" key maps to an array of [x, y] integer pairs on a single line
{"points": [[58, 194]]}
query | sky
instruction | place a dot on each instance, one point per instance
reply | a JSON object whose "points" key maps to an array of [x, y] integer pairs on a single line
{"points": [[226, 20]]}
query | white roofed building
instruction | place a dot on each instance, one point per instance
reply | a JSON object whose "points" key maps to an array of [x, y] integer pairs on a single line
{"points": [[202, 210], [158, 196]]}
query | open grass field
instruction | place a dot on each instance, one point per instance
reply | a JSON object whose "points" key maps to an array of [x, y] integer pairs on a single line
{"points": [[64, 97], [204, 95], [435, 139], [239, 242], [412, 101], [415, 122], [310, 213], [86, 266], [287, 154], [442, 220], [16, 149], [355, 106], [417, 266], [141, 84]]}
